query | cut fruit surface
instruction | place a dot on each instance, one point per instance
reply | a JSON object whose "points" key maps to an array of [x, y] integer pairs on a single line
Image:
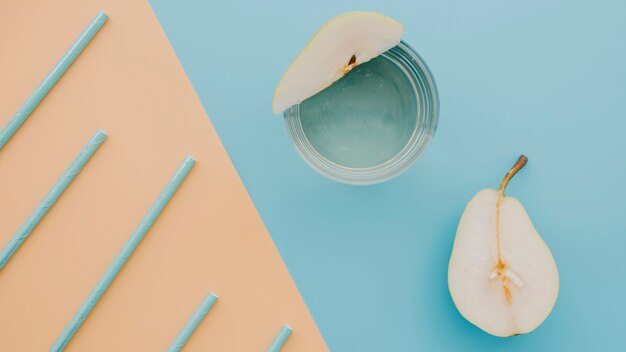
{"points": [[341, 44], [502, 276]]}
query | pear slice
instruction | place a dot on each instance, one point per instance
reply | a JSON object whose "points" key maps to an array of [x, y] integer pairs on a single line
{"points": [[502, 276], [341, 44]]}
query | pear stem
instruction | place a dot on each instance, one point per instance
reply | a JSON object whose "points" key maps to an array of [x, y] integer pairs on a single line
{"points": [[509, 175], [502, 269]]}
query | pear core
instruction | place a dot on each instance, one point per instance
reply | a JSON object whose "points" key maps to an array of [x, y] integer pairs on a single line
{"points": [[341, 44]]}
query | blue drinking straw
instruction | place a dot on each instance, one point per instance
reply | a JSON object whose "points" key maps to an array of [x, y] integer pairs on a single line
{"points": [[280, 340], [193, 323], [51, 197], [123, 255], [94, 26]]}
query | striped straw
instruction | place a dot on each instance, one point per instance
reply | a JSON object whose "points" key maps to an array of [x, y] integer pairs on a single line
{"points": [[94, 26], [124, 254], [280, 340], [51, 197], [193, 323]]}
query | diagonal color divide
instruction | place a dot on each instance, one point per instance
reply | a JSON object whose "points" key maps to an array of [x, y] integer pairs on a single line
{"points": [[131, 83]]}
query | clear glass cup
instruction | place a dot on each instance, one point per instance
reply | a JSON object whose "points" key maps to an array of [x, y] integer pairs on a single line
{"points": [[426, 110]]}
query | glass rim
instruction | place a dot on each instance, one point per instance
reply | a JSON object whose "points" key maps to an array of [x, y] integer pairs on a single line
{"points": [[427, 97]]}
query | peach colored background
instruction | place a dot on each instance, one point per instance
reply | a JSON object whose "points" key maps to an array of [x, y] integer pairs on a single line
{"points": [[129, 83]]}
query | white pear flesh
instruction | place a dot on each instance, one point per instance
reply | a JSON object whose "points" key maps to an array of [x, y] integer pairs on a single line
{"points": [[340, 44], [478, 281]]}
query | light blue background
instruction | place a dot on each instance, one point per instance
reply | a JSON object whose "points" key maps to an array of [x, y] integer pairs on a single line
{"points": [[544, 78]]}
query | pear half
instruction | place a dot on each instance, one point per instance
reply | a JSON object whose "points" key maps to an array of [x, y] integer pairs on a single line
{"points": [[502, 276], [340, 44]]}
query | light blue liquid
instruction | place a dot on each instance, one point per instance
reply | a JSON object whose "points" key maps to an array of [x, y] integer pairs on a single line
{"points": [[365, 118]]}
